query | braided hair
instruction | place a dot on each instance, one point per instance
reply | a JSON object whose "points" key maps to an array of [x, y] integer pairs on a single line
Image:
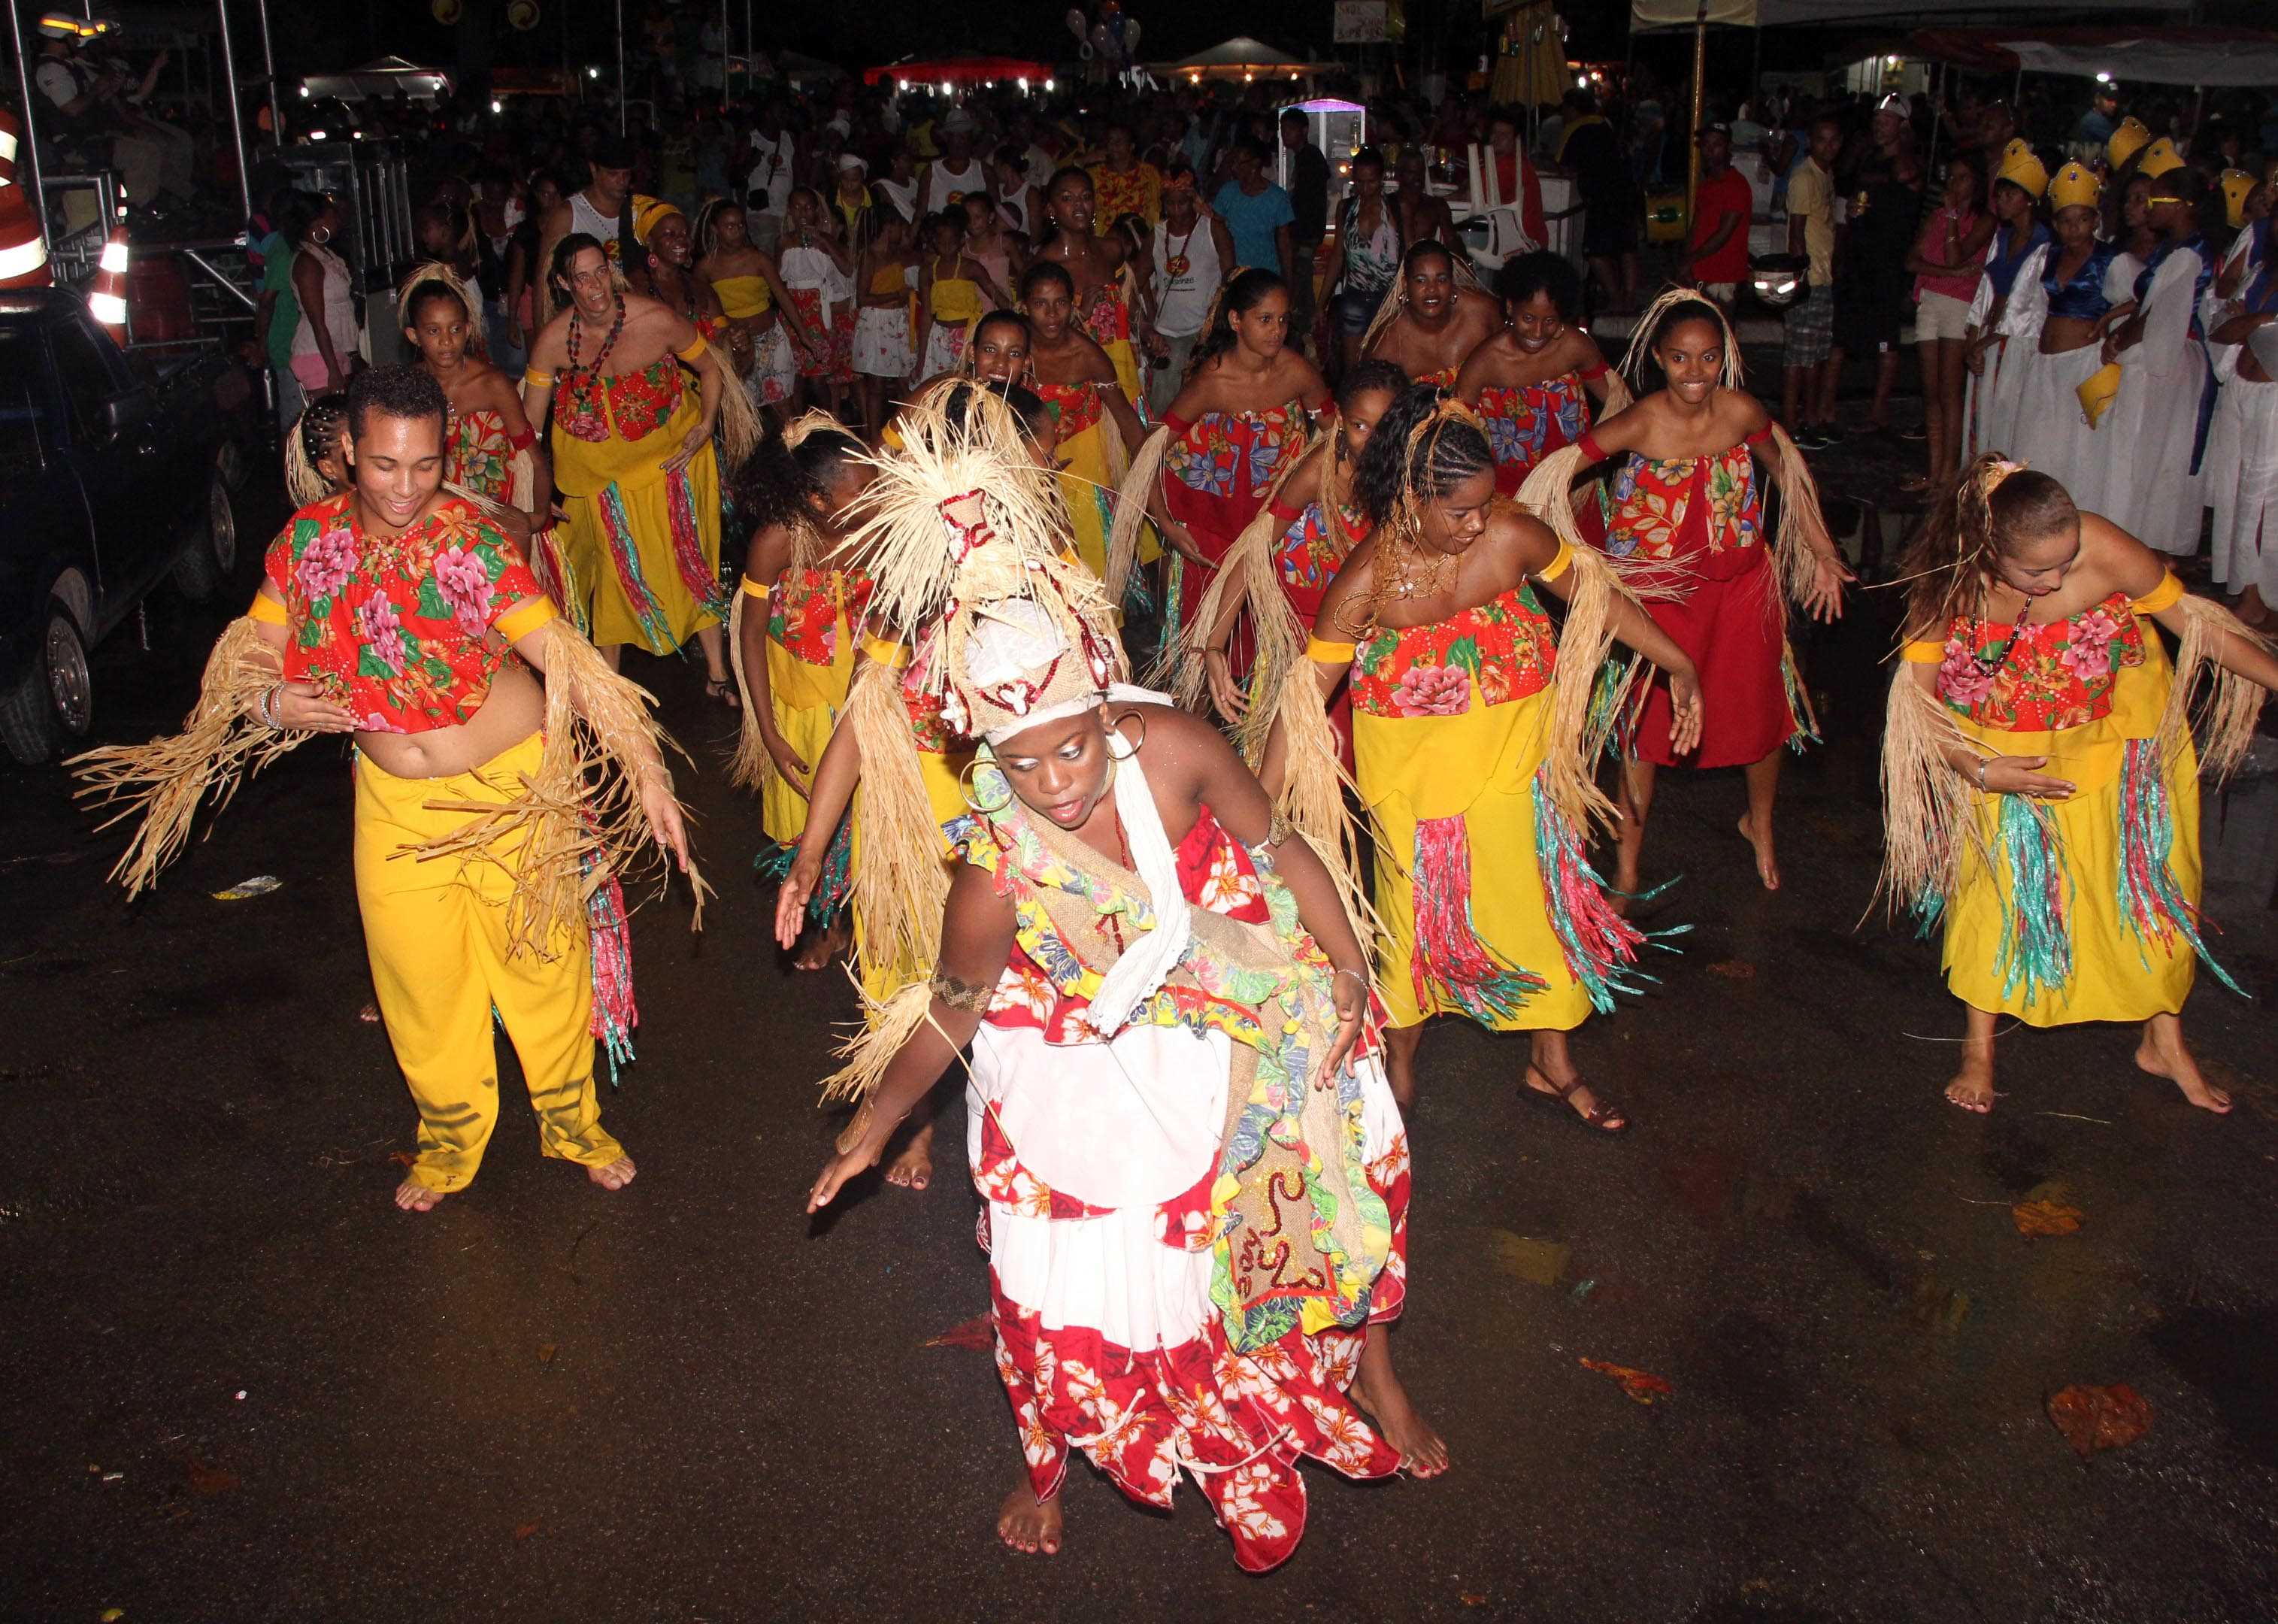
{"points": [[1423, 449], [315, 435], [1370, 377], [787, 479]]}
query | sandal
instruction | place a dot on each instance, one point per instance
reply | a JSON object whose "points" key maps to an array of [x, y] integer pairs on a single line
{"points": [[724, 689], [1602, 1117]]}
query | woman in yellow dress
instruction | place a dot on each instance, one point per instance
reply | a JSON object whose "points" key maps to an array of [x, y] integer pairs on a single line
{"points": [[2040, 780], [1475, 739], [795, 626], [1104, 290], [1095, 423], [750, 289]]}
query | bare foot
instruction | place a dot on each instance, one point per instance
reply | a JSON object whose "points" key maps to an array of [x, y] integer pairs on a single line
{"points": [[1026, 1523], [1421, 1452], [1972, 1088], [827, 945], [413, 1196], [2173, 1061], [1579, 1097], [1767, 866], [913, 1169], [370, 1014], [616, 1176]]}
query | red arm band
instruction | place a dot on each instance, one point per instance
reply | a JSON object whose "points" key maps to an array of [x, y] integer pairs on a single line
{"points": [[1282, 510], [1592, 451], [524, 441], [1595, 370], [1176, 423], [1761, 437]]}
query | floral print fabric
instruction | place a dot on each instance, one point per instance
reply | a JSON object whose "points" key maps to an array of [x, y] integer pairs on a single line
{"points": [[1503, 650], [1233, 456], [1075, 407], [2048, 678], [639, 402], [1527, 423], [1684, 505], [395, 630], [807, 608], [478, 454]]}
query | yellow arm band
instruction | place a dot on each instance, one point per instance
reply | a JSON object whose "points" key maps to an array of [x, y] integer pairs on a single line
{"points": [[544, 381], [1324, 653], [268, 611], [1922, 654], [2166, 595], [520, 622], [690, 353], [1559, 563], [755, 588], [878, 651]]}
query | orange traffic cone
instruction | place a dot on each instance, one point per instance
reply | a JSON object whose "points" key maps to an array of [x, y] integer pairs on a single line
{"points": [[23, 249], [106, 295]]}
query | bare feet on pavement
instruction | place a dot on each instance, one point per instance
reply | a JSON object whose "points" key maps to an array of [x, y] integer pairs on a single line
{"points": [[1028, 1524], [616, 1176], [1421, 1452], [413, 1196], [827, 945], [913, 1169], [2165, 1056], [1767, 865]]}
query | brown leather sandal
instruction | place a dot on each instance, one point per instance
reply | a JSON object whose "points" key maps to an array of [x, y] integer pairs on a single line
{"points": [[1603, 1117]]}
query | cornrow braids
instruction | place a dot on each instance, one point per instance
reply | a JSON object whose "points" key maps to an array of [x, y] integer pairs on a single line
{"points": [[314, 434], [1424, 448]]}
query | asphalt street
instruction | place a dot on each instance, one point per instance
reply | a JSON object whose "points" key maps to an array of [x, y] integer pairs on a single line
{"points": [[241, 1386]]}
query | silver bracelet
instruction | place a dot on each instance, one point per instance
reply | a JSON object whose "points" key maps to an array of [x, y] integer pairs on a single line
{"points": [[1355, 975], [1984, 762], [266, 707]]}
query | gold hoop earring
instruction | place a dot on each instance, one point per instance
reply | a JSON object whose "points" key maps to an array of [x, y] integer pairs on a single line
{"points": [[1115, 735], [965, 790]]}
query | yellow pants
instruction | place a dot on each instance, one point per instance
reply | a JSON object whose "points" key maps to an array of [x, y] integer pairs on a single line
{"points": [[436, 933]]}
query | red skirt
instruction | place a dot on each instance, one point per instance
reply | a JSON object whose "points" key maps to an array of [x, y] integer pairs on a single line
{"points": [[1735, 631]]}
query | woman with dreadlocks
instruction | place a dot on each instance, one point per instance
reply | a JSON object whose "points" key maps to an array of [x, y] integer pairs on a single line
{"points": [[1095, 423], [1533, 383], [1475, 738], [792, 636], [1687, 519], [1165, 999], [1244, 414], [2040, 779]]}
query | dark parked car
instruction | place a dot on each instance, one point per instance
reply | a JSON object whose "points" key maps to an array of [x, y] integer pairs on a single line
{"points": [[116, 475]]}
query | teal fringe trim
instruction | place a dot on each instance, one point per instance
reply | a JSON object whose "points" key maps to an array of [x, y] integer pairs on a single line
{"points": [[833, 887], [1619, 730], [1799, 707], [2036, 937], [1449, 955], [1600, 946], [2150, 903]]}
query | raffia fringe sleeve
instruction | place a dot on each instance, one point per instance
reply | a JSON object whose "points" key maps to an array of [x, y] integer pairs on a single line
{"points": [[749, 764], [1929, 810], [578, 822], [1314, 782], [1802, 527], [2224, 715], [1139, 481], [1548, 495], [221, 745]]}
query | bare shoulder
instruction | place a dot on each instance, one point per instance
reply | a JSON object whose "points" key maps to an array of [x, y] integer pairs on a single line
{"points": [[2116, 560], [1355, 576], [1743, 411], [1519, 543]]}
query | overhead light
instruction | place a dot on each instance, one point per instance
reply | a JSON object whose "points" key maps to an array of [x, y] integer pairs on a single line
{"points": [[1048, 87], [1024, 85], [304, 93], [901, 84], [1247, 76], [2104, 79], [1581, 82], [593, 72], [316, 135], [497, 106], [944, 87]]}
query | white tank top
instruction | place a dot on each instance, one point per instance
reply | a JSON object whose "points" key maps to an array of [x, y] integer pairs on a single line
{"points": [[943, 182], [339, 312], [586, 218], [1182, 301]]}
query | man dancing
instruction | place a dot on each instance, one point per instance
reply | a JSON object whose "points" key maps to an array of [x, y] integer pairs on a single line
{"points": [[388, 612]]}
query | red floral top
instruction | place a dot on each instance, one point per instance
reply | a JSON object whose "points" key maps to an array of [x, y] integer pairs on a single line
{"points": [[397, 630], [640, 402], [1704, 509], [807, 607], [1506, 644], [1221, 464], [1527, 423], [1104, 314], [1075, 407], [2049, 678], [1306, 558], [478, 453]]}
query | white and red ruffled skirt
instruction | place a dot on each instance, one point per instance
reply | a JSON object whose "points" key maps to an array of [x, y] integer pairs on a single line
{"points": [[1096, 1162]]}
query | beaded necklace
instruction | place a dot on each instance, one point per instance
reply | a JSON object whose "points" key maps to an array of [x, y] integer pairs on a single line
{"points": [[577, 328]]}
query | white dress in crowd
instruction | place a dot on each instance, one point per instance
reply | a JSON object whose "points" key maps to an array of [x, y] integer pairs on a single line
{"points": [[2239, 474], [2153, 493], [2052, 433], [883, 347], [1996, 396]]}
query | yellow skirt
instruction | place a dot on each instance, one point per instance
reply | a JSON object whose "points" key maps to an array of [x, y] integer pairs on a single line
{"points": [[1453, 797], [2116, 974], [805, 699], [647, 558], [1127, 367]]}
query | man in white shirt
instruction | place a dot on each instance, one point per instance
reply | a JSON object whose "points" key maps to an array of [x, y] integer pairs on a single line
{"points": [[768, 185], [956, 171]]}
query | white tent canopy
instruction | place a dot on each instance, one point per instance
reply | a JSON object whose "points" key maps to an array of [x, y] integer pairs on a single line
{"points": [[2152, 61], [1241, 52], [1923, 13]]}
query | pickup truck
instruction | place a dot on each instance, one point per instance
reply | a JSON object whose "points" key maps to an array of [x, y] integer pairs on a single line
{"points": [[116, 476]]}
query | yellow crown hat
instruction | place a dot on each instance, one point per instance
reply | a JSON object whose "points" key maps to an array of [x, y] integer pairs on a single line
{"points": [[2236, 185], [2099, 391], [2158, 158], [2022, 167], [2076, 186], [2129, 140]]}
